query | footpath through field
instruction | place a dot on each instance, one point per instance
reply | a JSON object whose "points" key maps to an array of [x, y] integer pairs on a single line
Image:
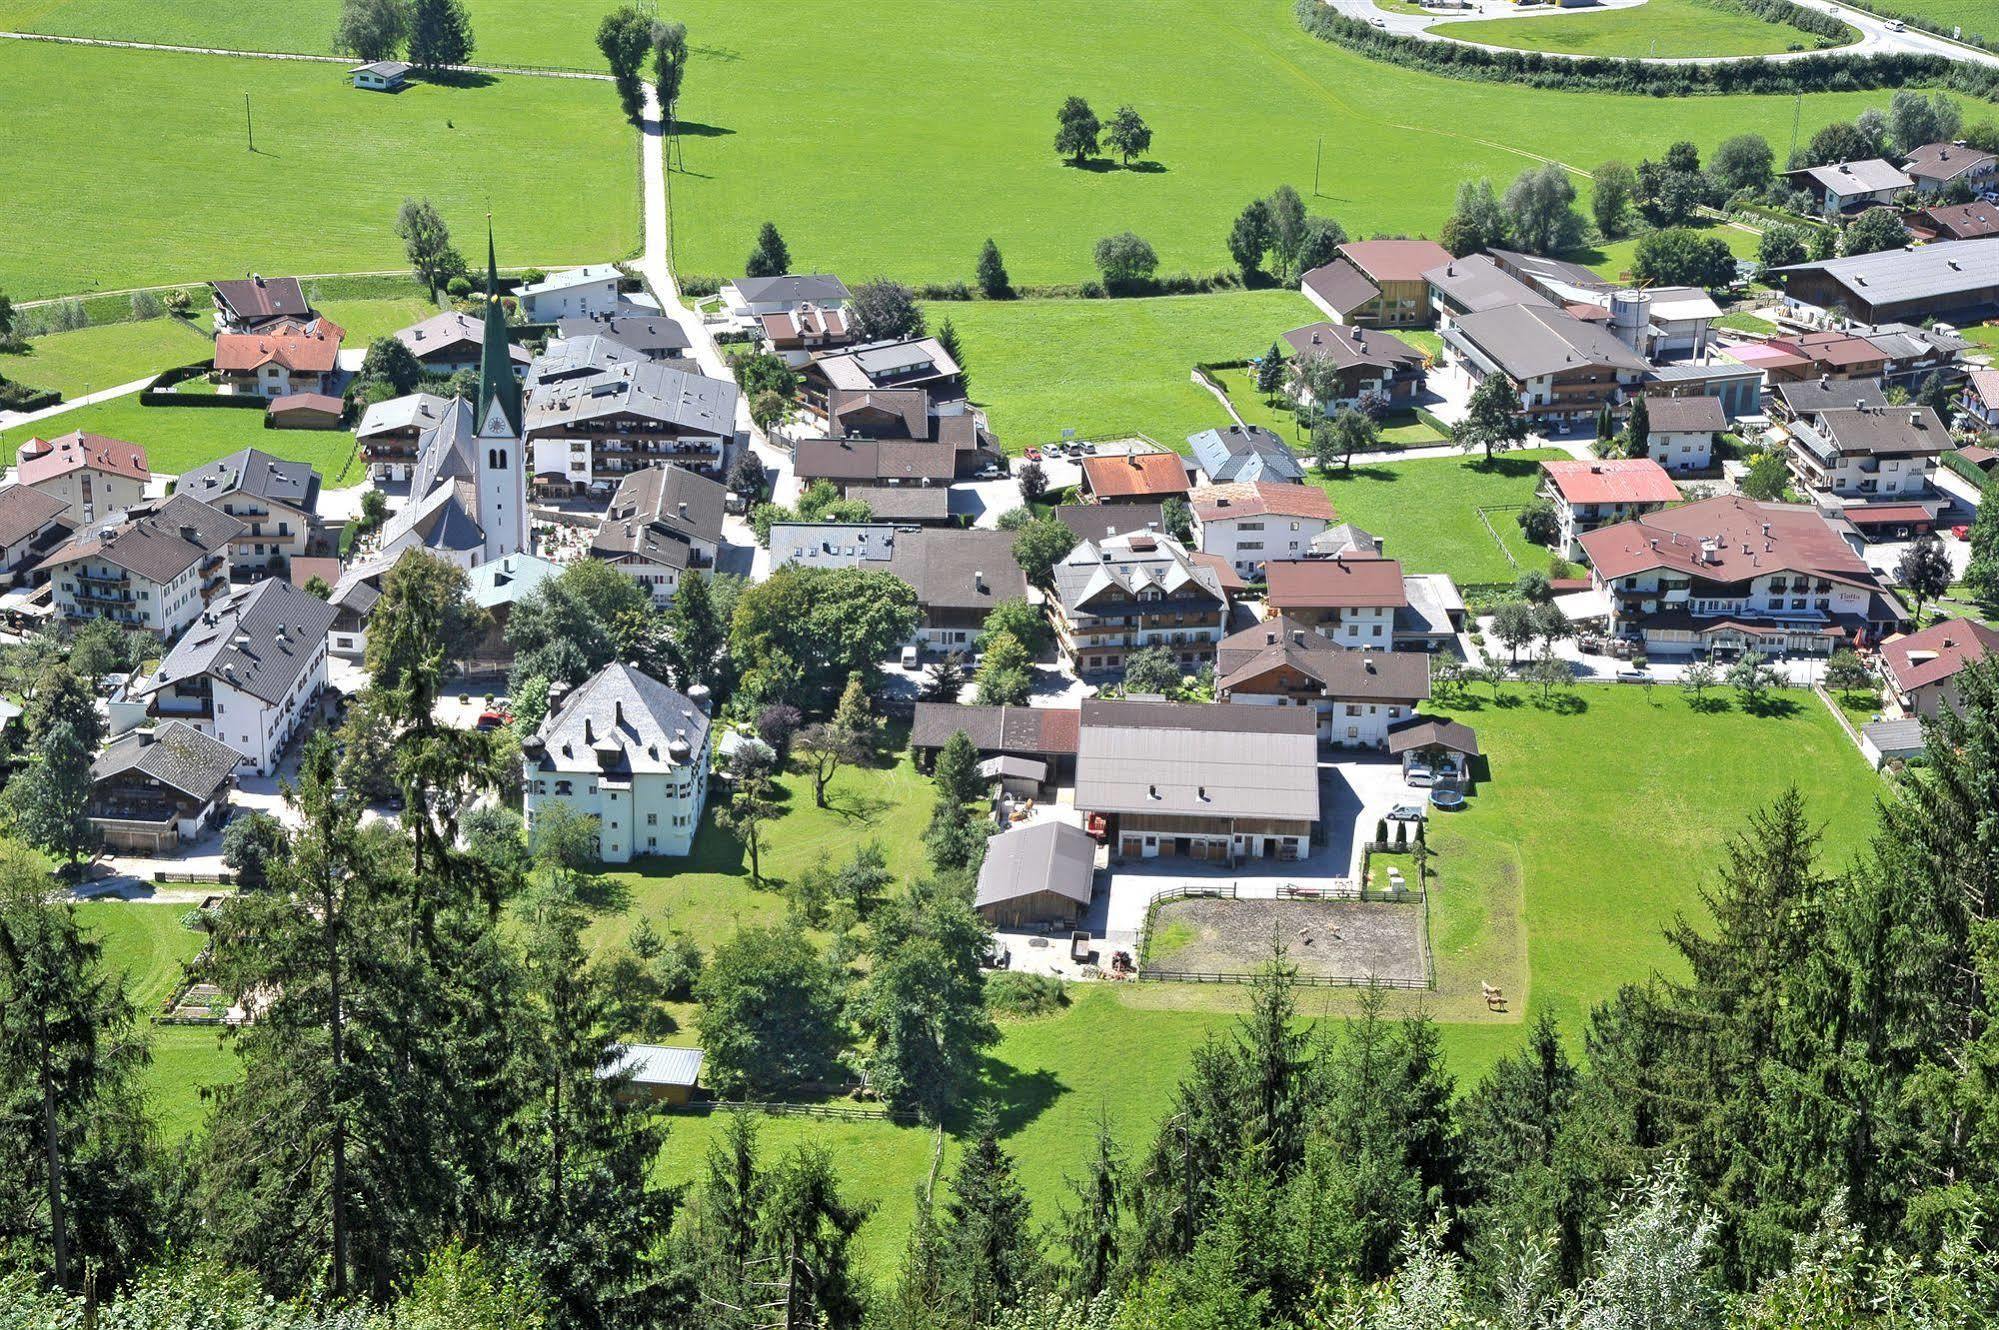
{"points": [[526, 71]]}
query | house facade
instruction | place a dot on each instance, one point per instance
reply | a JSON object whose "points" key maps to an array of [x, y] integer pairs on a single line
{"points": [[1603, 491], [286, 357], [248, 671], [1356, 695], [277, 501], [590, 430], [391, 434], [1564, 369], [154, 790], [1376, 283], [31, 524], [1849, 187], [157, 568], [1730, 574], [631, 752], [1922, 668], [1683, 430], [573, 293], [1246, 524], [958, 577], [1350, 601], [1136, 590], [1366, 367], [92, 475], [663, 522], [1874, 466], [1217, 782]]}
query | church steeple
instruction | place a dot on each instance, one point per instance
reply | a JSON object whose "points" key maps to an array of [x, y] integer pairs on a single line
{"points": [[496, 366]]}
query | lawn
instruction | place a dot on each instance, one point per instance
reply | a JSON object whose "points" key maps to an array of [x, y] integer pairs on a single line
{"points": [[156, 185], [1426, 512], [180, 438], [148, 946], [92, 359], [1108, 368], [1975, 17], [1614, 259], [710, 895], [1657, 28]]}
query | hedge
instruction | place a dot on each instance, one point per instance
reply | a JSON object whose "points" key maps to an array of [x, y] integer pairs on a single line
{"points": [[1813, 73], [1965, 467], [20, 397], [1430, 418], [155, 393]]}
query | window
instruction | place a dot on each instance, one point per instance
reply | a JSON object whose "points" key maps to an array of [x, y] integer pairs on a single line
{"points": [[652, 819]]}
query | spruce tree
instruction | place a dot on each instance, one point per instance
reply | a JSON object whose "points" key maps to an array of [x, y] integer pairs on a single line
{"points": [[993, 281], [440, 34], [988, 1251], [771, 257], [1093, 1233]]}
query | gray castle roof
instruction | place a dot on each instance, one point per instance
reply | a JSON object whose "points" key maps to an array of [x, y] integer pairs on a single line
{"points": [[622, 722]]}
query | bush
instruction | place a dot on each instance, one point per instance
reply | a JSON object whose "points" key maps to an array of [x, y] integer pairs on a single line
{"points": [[459, 287], [1014, 993], [20, 397]]}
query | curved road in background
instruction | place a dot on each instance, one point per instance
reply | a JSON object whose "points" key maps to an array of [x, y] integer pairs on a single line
{"points": [[1876, 37]]}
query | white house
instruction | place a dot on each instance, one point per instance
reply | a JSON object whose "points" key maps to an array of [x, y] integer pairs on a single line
{"points": [[1249, 522], [381, 76], [154, 569], [1352, 601], [247, 672], [1598, 492], [750, 298], [1682, 431], [629, 751], [278, 499], [31, 523], [576, 293], [93, 476]]}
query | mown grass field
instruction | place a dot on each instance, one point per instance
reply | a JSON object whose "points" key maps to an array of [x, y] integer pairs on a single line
{"points": [[1426, 512], [179, 438], [129, 168], [1976, 17], [1659, 29], [92, 359], [1235, 113], [1110, 367], [148, 946]]}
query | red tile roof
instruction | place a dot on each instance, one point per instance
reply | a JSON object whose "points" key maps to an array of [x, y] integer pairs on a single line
{"points": [[1334, 583], [304, 348], [1395, 260], [1728, 539], [45, 459], [1259, 498], [1915, 660], [1613, 480], [1147, 474]]}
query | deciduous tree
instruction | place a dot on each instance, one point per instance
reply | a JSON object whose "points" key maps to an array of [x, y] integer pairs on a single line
{"points": [[372, 30], [1127, 134], [1492, 417], [1076, 127], [427, 243]]}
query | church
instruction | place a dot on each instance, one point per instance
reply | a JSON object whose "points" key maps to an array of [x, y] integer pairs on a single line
{"points": [[468, 488]]}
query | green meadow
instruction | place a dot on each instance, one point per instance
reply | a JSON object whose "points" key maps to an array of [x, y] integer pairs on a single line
{"points": [[1427, 512], [180, 438], [128, 168], [1658, 29]]}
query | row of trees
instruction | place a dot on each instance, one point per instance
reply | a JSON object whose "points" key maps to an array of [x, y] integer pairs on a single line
{"points": [[1274, 237], [1538, 214], [434, 34], [628, 37]]}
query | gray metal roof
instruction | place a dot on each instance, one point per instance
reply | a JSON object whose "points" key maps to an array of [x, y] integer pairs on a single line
{"points": [[1869, 176], [1133, 563], [1244, 452], [1477, 282], [1927, 272], [175, 754], [644, 333], [442, 519], [793, 289], [567, 357], [888, 364], [621, 721], [651, 389], [832, 544], [446, 450], [1046, 856], [655, 1064], [1215, 759], [1429, 732], [505, 581], [1895, 738], [254, 472], [1096, 521], [1528, 341], [1809, 396], [260, 639], [588, 275], [904, 503], [420, 411]]}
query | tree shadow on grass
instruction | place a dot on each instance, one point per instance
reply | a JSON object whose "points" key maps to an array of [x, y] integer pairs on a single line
{"points": [[1147, 167], [603, 893], [695, 129], [1563, 704], [1382, 474], [1707, 705], [1771, 708], [856, 807], [1015, 1097], [459, 78]]}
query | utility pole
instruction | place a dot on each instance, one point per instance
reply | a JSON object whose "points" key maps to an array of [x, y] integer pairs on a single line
{"points": [[249, 130], [1316, 158], [1797, 117]]}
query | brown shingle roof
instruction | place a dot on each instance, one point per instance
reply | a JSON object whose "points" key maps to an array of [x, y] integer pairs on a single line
{"points": [[1341, 285], [1146, 474], [1334, 583], [1937, 653], [1395, 260], [1799, 540], [1686, 415], [1258, 498]]}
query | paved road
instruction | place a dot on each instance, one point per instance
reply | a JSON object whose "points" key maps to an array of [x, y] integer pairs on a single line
{"points": [[1875, 36], [527, 71]]}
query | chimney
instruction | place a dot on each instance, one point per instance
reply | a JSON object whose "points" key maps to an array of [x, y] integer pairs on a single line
{"points": [[1916, 418], [1152, 791], [618, 713], [1132, 460], [589, 731], [979, 581], [1270, 637], [1201, 792]]}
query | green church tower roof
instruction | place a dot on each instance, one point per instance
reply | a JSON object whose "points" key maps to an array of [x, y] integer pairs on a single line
{"points": [[496, 366]]}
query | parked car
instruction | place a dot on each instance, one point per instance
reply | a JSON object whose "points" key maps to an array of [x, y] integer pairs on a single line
{"points": [[1418, 774], [491, 720], [1379, 22], [1961, 531], [1406, 813], [991, 471], [1032, 454]]}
